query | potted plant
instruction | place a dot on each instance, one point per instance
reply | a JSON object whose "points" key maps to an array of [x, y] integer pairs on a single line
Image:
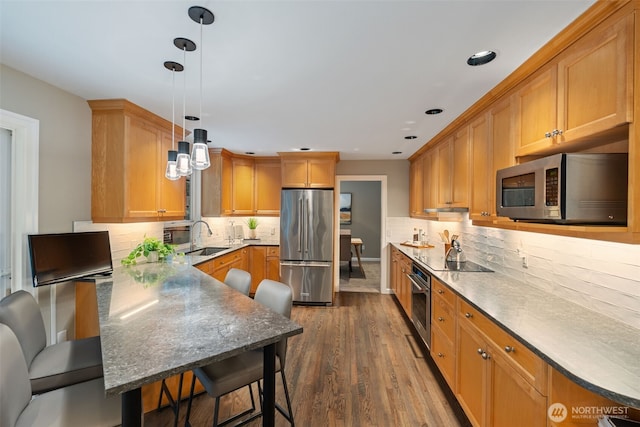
{"points": [[252, 223], [152, 248]]}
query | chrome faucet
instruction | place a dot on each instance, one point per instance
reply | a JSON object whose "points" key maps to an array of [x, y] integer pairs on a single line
{"points": [[209, 232], [457, 254]]}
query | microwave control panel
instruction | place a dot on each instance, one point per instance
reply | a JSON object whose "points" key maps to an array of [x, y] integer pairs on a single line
{"points": [[551, 187]]}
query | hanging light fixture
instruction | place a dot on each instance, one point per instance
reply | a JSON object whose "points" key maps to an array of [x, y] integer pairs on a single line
{"points": [[183, 160], [200, 158], [171, 172]]}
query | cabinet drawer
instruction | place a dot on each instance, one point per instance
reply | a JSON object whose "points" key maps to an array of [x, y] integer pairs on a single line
{"points": [[530, 366], [443, 291], [206, 267], [442, 316], [273, 251], [443, 354]]}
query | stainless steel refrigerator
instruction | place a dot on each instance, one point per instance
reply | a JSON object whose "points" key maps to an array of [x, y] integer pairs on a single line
{"points": [[306, 244]]}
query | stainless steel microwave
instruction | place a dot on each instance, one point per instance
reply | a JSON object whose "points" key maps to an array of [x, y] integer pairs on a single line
{"points": [[573, 188]]}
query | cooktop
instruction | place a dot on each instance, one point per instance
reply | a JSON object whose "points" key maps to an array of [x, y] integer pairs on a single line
{"points": [[468, 266]]}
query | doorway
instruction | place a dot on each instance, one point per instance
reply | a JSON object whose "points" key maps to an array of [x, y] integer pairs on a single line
{"points": [[364, 219]]}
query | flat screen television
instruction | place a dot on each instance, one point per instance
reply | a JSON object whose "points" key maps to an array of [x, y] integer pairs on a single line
{"points": [[57, 258]]}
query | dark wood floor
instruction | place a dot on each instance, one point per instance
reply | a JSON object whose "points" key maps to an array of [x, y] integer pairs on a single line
{"points": [[356, 364]]}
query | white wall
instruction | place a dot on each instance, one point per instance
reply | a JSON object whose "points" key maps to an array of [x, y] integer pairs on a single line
{"points": [[602, 276]]}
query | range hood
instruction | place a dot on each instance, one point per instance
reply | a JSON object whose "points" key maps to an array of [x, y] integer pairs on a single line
{"points": [[446, 214]]}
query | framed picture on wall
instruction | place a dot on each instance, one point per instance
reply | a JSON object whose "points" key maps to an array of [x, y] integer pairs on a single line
{"points": [[345, 208]]}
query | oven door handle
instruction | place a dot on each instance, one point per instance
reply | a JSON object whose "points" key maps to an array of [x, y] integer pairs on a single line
{"points": [[417, 283]]}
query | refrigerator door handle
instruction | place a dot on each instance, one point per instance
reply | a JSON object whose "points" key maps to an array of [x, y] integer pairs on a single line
{"points": [[305, 209], [305, 264], [300, 219]]}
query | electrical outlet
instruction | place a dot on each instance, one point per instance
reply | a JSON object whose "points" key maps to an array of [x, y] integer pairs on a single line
{"points": [[273, 231], [525, 261], [62, 336]]}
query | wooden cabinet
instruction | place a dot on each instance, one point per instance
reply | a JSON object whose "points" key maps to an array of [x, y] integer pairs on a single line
{"points": [[423, 183], [416, 189], [240, 185], [129, 157], [586, 91], [400, 283], [302, 170], [264, 263], [499, 381], [218, 267], [443, 330], [453, 170], [482, 199], [267, 187], [243, 181]]}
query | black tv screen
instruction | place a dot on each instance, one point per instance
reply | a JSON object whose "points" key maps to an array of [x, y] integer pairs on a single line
{"points": [[57, 258]]}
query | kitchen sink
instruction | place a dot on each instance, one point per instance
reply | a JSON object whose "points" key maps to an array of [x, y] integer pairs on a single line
{"points": [[207, 251]]}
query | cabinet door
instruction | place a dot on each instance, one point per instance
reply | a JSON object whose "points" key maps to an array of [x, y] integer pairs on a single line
{"points": [[273, 268], [595, 81], [513, 400], [242, 182], [501, 134], [268, 183], [294, 173], [482, 180], [416, 193], [535, 110], [217, 185], [321, 173], [459, 168], [171, 200], [445, 170], [471, 374], [142, 169], [394, 270], [430, 179], [442, 352], [257, 265]]}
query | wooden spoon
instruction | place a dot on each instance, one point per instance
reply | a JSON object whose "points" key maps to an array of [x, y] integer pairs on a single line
{"points": [[446, 235]]}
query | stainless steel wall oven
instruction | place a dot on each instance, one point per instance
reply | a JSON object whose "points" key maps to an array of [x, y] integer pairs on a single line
{"points": [[421, 302]]}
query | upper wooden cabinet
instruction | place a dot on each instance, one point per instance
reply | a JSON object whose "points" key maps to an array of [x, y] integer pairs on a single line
{"points": [[416, 187], [268, 184], [587, 90], [305, 170], [453, 171], [129, 157], [240, 185]]}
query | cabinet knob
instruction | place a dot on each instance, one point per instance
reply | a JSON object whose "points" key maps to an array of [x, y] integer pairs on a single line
{"points": [[509, 349], [440, 291], [440, 355], [485, 356], [480, 351], [468, 315], [440, 319], [162, 210], [556, 132], [547, 135]]}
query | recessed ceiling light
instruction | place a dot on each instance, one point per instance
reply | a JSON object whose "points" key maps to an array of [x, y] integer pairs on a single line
{"points": [[192, 118], [410, 137], [397, 152], [305, 149], [249, 152], [410, 122], [405, 129], [434, 111], [481, 58]]}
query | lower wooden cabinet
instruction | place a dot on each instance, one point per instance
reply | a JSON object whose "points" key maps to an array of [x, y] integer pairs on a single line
{"points": [[400, 283], [264, 263], [443, 330], [499, 382]]}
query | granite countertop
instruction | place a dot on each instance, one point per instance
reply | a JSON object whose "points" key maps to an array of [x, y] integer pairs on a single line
{"points": [[597, 352], [160, 319]]}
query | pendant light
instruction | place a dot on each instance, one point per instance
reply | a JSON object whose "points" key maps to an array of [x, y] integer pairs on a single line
{"points": [[200, 159], [171, 172], [183, 160]]}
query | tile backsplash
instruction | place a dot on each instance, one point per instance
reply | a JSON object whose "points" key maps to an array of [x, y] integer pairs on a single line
{"points": [[601, 276]]}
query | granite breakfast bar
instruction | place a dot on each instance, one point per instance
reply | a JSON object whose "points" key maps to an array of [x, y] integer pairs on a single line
{"points": [[162, 319]]}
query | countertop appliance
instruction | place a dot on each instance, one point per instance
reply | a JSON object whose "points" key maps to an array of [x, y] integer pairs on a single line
{"points": [[421, 302], [573, 188], [306, 244]]}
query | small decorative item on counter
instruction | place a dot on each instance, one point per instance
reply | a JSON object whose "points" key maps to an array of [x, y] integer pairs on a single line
{"points": [[252, 223], [152, 248], [415, 235]]}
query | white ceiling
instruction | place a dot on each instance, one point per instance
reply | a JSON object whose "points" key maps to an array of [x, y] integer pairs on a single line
{"points": [[348, 76]]}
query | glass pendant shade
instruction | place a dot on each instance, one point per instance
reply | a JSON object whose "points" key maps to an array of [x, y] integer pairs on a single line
{"points": [[183, 160], [172, 166], [200, 158]]}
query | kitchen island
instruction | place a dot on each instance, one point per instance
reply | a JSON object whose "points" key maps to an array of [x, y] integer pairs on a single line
{"points": [[162, 319], [596, 352]]}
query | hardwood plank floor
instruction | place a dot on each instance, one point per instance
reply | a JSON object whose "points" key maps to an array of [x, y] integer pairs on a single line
{"points": [[357, 363]]}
